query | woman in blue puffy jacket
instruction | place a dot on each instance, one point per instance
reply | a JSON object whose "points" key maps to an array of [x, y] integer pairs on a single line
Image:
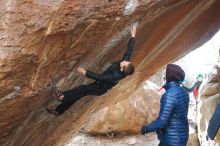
{"points": [[171, 125]]}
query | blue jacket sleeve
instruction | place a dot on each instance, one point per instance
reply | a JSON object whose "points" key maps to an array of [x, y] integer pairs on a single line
{"points": [[127, 55], [167, 105]]}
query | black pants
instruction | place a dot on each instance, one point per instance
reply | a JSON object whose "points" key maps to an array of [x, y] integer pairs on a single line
{"points": [[75, 94]]}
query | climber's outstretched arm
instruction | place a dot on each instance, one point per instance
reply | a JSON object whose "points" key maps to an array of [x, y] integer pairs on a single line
{"points": [[99, 77], [131, 43]]}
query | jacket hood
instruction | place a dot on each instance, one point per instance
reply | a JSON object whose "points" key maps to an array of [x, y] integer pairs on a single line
{"points": [[174, 73]]}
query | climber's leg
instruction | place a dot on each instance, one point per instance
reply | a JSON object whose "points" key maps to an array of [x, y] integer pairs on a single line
{"points": [[52, 111], [72, 96]]}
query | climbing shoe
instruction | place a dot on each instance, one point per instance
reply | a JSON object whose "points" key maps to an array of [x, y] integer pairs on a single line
{"points": [[53, 112]]}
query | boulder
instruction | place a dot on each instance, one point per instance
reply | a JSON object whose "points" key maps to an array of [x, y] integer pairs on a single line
{"points": [[193, 140], [210, 89], [127, 116], [206, 107]]}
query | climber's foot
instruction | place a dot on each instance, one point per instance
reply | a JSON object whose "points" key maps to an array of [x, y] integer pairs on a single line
{"points": [[57, 94], [53, 112]]}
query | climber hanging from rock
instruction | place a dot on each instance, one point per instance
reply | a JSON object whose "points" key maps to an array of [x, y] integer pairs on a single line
{"points": [[103, 82]]}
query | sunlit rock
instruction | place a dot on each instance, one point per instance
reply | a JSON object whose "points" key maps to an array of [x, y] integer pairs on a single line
{"points": [[193, 140], [127, 116], [210, 97]]}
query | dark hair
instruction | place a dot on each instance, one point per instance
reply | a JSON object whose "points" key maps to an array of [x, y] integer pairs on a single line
{"points": [[128, 69]]}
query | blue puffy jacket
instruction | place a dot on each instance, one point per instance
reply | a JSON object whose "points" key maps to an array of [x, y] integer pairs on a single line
{"points": [[172, 125]]}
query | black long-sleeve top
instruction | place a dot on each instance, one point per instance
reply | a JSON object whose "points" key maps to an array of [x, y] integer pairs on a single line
{"points": [[196, 85], [113, 74]]}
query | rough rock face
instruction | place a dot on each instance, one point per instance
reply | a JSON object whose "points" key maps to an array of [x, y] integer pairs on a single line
{"points": [[193, 140], [127, 115], [210, 97], [42, 41]]}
